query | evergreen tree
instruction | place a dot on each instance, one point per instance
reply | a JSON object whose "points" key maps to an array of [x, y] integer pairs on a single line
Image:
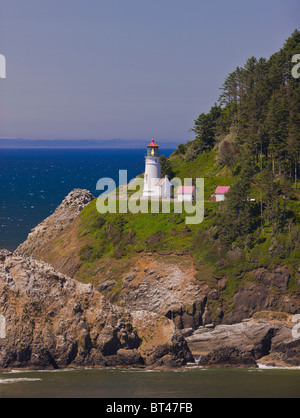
{"points": [[204, 128], [234, 218], [276, 127], [165, 166]]}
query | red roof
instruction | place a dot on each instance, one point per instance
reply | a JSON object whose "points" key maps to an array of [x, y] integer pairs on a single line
{"points": [[222, 189], [185, 189], [153, 144]]}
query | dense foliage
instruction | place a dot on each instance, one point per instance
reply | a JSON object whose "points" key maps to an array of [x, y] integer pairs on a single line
{"points": [[258, 116], [254, 133]]}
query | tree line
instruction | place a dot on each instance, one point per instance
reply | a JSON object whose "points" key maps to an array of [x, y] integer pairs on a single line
{"points": [[257, 117], [255, 130]]}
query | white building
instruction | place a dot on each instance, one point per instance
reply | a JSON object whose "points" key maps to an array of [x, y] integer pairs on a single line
{"points": [[154, 186], [220, 193], [186, 193], [165, 188]]}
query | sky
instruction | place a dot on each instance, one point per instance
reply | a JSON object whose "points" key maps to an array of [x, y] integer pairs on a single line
{"points": [[132, 69]]}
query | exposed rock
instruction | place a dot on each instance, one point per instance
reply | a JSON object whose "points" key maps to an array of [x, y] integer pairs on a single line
{"points": [[265, 338], [242, 335], [268, 291], [165, 289], [285, 345], [162, 345], [63, 216], [54, 321], [228, 357], [278, 277], [129, 357], [4, 253], [107, 285]]}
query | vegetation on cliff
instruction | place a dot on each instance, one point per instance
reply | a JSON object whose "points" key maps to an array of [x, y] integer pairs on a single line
{"points": [[249, 141], [244, 256]]}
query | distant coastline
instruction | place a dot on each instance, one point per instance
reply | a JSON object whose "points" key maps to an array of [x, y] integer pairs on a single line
{"points": [[81, 143]]}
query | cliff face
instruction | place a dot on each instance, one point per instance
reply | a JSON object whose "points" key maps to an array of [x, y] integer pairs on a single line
{"points": [[268, 338], [170, 286], [51, 320], [56, 223], [167, 284]]}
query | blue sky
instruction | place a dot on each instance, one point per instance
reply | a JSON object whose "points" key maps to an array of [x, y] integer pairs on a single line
{"points": [[133, 69]]}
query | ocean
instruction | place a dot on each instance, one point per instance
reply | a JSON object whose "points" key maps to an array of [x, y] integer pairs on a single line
{"points": [[33, 182], [191, 382]]}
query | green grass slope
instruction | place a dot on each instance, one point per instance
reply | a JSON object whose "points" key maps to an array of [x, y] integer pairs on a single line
{"points": [[121, 235]]}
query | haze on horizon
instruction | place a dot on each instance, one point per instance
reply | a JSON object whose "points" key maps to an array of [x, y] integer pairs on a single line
{"points": [[103, 69]]}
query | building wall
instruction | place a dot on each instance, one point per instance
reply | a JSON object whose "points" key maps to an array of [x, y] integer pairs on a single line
{"points": [[166, 188], [220, 197], [151, 176], [185, 197]]}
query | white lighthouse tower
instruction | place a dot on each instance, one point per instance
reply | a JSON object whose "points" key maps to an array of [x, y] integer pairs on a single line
{"points": [[152, 171]]}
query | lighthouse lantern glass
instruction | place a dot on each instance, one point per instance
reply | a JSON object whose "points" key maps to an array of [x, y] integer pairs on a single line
{"points": [[152, 149]]}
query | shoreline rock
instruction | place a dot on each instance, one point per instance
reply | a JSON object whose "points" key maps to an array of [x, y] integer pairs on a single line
{"points": [[265, 338], [53, 321]]}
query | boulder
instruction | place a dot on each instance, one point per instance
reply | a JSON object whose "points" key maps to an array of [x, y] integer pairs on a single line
{"points": [[266, 338]]}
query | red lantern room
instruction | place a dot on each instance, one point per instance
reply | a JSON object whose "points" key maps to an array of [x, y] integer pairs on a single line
{"points": [[152, 149]]}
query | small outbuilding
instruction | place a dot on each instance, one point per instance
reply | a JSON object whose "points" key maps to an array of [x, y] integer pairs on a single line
{"points": [[220, 193], [165, 188], [186, 193]]}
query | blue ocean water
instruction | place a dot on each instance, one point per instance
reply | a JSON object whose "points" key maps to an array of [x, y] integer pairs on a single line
{"points": [[33, 182]]}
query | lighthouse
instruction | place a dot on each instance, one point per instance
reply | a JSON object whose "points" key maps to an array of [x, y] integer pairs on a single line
{"points": [[152, 171]]}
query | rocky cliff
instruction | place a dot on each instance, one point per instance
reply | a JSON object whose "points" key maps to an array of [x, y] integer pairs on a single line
{"points": [[268, 338], [51, 320], [200, 305], [56, 223]]}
